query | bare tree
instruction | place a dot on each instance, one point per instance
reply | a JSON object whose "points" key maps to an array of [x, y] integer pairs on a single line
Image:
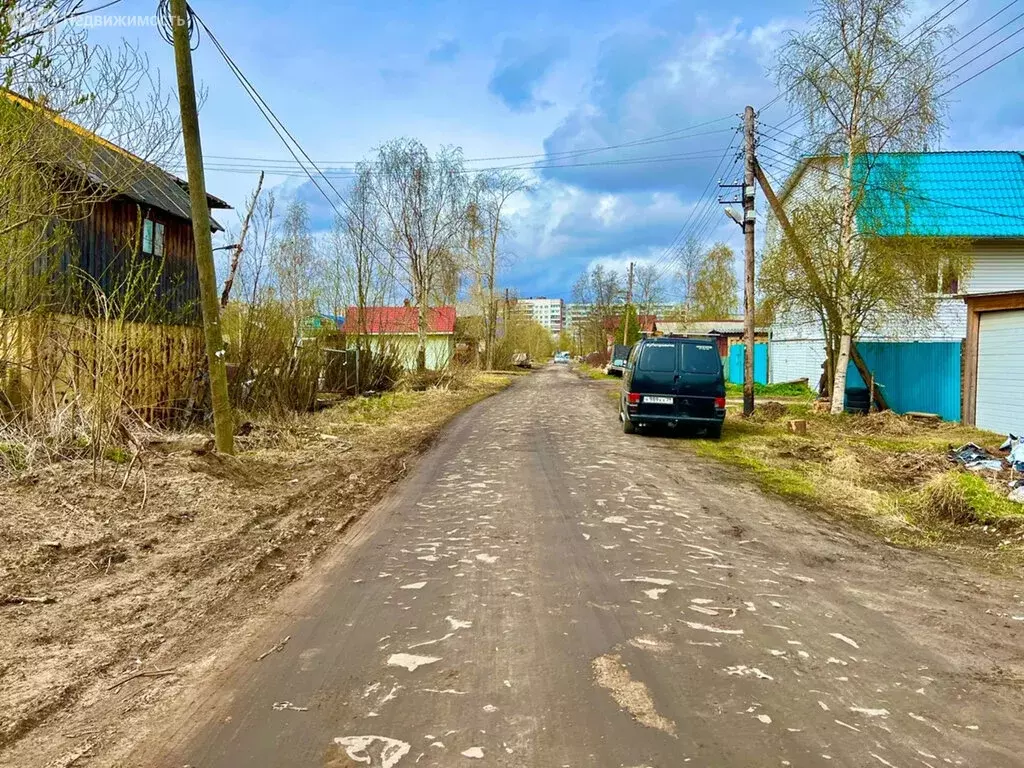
{"points": [[422, 205], [601, 290], [89, 123], [362, 271], [487, 230], [866, 88], [648, 288], [238, 248], [295, 267]]}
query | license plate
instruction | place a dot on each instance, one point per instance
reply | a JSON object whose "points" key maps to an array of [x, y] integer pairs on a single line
{"points": [[653, 400]]}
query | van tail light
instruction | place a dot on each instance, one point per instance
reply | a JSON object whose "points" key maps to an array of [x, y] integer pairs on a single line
{"points": [[633, 398], [719, 402]]}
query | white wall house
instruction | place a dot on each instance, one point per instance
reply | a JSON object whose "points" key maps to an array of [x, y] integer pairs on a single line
{"points": [[976, 196]]}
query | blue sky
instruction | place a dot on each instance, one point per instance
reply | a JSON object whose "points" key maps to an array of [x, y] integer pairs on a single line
{"points": [[534, 78]]}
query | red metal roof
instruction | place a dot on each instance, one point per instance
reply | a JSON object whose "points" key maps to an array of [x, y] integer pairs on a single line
{"points": [[385, 320], [646, 322]]}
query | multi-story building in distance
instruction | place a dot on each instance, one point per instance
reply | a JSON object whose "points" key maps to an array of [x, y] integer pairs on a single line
{"points": [[548, 312]]}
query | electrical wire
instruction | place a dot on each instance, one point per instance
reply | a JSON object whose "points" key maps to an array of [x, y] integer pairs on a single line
{"points": [[790, 122], [166, 23], [703, 212], [545, 155], [828, 60], [989, 49], [706, 154], [786, 124], [689, 224]]}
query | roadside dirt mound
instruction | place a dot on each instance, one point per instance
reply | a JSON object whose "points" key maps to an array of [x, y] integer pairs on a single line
{"points": [[769, 411], [886, 423]]}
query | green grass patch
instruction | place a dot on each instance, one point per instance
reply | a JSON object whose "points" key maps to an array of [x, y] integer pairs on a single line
{"points": [[597, 374], [781, 481], [988, 506], [801, 390], [117, 454], [14, 456], [882, 473], [375, 410]]}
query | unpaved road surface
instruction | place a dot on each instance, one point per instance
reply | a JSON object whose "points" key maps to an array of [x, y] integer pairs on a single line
{"points": [[546, 591]]}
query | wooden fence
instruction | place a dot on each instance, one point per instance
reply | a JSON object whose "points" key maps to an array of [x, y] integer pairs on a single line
{"points": [[50, 360]]}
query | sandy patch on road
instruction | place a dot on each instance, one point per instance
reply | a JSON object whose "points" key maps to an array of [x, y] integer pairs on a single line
{"points": [[631, 695]]}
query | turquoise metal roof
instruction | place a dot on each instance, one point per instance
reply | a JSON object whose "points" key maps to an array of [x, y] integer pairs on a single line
{"points": [[943, 194]]}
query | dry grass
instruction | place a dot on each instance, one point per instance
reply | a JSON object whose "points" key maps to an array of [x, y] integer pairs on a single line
{"points": [[145, 571], [885, 472]]}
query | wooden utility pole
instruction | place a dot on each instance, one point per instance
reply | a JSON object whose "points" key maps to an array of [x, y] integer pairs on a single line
{"points": [[223, 421], [749, 219], [629, 301]]}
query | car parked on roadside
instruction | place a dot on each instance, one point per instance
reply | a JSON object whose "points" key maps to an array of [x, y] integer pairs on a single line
{"points": [[562, 358], [673, 381], [617, 364]]}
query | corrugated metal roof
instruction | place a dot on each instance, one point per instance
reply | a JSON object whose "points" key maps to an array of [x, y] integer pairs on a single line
{"points": [[978, 194], [944, 194], [706, 327], [396, 320], [118, 170]]}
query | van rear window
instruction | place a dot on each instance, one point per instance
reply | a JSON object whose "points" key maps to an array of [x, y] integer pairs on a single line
{"points": [[701, 358], [659, 357]]}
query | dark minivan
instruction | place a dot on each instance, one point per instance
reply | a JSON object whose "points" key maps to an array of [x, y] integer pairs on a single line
{"points": [[673, 381]]}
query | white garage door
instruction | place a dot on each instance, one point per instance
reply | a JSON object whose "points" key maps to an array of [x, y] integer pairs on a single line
{"points": [[1000, 405]]}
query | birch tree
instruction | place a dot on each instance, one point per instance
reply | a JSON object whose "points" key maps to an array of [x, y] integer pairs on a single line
{"points": [[295, 267], [422, 203], [486, 219], [866, 87], [648, 288], [715, 287]]}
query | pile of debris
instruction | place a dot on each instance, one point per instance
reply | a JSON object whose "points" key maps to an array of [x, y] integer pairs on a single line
{"points": [[976, 459]]}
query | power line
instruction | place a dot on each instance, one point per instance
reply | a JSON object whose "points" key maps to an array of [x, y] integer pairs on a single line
{"points": [[782, 129], [272, 118], [705, 154], [544, 155], [790, 122], [983, 71], [680, 235], [264, 109], [828, 60], [979, 26], [987, 50]]}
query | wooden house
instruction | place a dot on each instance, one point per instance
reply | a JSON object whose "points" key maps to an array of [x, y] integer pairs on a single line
{"points": [[133, 226]]}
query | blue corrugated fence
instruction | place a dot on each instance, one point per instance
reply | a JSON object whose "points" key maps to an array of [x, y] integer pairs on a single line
{"points": [[914, 375], [760, 363]]}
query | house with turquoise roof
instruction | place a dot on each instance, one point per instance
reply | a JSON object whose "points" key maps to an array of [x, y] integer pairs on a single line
{"points": [[966, 363]]}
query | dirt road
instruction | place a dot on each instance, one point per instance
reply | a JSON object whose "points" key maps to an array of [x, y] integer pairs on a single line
{"points": [[546, 591]]}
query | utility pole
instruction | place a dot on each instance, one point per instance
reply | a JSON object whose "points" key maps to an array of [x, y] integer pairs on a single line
{"points": [[223, 421], [747, 222], [749, 219], [629, 301]]}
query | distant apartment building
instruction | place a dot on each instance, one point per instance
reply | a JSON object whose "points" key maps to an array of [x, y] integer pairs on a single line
{"points": [[548, 312], [576, 313]]}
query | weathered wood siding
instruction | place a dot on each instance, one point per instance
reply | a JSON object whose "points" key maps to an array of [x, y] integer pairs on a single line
{"points": [[108, 244], [148, 369]]}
